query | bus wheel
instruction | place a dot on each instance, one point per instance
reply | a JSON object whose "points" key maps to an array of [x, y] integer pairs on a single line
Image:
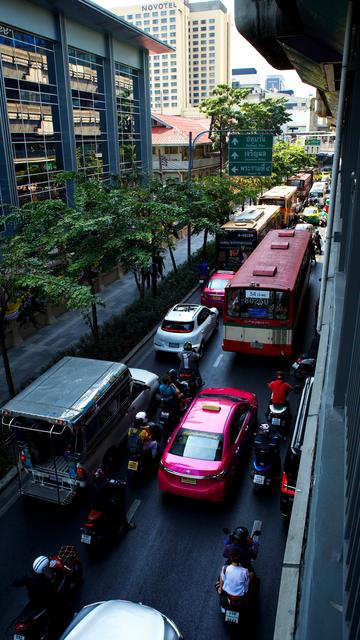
{"points": [[109, 461]]}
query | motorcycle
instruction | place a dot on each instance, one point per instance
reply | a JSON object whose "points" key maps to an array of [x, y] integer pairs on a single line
{"points": [[101, 525], [239, 611], [279, 417], [33, 623], [192, 379], [266, 466], [168, 413], [303, 367]]}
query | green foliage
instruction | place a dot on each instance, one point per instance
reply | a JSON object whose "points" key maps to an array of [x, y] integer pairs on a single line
{"points": [[288, 159]]}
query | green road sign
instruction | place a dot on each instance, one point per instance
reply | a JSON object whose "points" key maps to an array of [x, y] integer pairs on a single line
{"points": [[312, 141], [250, 154]]}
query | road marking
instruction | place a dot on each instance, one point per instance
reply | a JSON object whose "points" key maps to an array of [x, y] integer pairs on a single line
{"points": [[218, 359], [132, 510]]}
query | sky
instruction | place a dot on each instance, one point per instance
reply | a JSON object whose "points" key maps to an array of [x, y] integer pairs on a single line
{"points": [[243, 54]]}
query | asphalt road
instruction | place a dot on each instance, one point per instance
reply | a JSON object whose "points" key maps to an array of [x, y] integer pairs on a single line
{"points": [[172, 559]]}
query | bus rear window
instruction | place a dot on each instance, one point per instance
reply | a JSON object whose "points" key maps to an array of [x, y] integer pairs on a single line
{"points": [[258, 304]]}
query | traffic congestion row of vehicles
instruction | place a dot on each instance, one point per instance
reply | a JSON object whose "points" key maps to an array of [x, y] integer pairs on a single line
{"points": [[70, 421]]}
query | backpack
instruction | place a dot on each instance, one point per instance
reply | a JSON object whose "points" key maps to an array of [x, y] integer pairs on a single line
{"points": [[134, 442]]}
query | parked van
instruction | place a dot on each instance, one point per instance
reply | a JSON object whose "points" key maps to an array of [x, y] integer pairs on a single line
{"points": [[318, 190], [71, 420]]}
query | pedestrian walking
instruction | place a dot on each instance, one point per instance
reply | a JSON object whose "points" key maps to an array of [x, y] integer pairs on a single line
{"points": [[160, 263]]}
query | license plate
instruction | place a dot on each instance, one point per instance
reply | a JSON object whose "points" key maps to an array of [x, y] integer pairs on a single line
{"points": [[232, 616], [256, 345], [174, 345], [187, 480], [259, 479], [85, 539], [276, 422], [216, 297], [164, 415], [133, 465]]}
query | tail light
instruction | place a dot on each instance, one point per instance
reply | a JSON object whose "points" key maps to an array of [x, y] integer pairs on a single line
{"points": [[23, 626], [81, 473], [22, 458], [88, 524], [284, 485]]}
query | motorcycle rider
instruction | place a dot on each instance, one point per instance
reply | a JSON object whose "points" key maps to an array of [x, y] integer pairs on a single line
{"points": [[189, 362], [43, 595], [109, 496], [279, 391], [267, 448], [234, 580], [240, 541], [146, 433], [170, 392], [317, 241]]}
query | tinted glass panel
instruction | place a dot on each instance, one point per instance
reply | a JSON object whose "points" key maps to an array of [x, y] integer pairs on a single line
{"points": [[198, 444], [177, 327]]}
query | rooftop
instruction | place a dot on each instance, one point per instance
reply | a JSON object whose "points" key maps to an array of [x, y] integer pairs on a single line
{"points": [[174, 130]]}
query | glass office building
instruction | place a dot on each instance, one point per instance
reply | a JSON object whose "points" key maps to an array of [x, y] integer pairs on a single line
{"points": [[74, 96]]}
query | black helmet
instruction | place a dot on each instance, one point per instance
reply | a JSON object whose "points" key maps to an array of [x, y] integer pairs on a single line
{"points": [[280, 375], [188, 346], [99, 474], [240, 535], [172, 373]]}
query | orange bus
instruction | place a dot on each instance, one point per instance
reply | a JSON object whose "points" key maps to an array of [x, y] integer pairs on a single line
{"points": [[239, 237], [302, 181], [282, 196], [264, 299]]}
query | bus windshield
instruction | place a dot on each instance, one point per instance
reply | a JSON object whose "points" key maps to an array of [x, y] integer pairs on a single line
{"points": [[258, 304]]}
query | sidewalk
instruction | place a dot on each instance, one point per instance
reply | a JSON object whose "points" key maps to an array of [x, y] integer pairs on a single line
{"points": [[28, 359]]}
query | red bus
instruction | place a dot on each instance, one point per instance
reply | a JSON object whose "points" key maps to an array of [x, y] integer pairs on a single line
{"points": [[302, 181], [264, 299]]}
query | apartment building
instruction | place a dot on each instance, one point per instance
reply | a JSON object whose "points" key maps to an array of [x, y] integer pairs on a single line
{"points": [[200, 35]]}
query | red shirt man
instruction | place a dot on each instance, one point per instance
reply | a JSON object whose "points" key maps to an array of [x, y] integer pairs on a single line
{"points": [[280, 389]]}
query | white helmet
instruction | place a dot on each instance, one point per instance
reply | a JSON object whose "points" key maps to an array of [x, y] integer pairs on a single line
{"points": [[263, 428], [40, 564], [141, 417]]}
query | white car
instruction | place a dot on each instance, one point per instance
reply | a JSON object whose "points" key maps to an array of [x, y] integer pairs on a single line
{"points": [[186, 323], [121, 620]]}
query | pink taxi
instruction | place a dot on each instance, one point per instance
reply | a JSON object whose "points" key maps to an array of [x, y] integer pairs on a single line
{"points": [[203, 454], [213, 294]]}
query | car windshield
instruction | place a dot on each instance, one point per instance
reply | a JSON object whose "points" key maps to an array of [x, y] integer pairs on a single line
{"points": [[217, 283], [177, 327], [198, 444]]}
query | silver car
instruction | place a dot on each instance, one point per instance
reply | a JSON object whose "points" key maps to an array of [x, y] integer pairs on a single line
{"points": [[121, 620], [186, 323]]}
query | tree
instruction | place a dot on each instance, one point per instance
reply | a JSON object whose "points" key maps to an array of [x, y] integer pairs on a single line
{"points": [[288, 159], [25, 274], [229, 110]]}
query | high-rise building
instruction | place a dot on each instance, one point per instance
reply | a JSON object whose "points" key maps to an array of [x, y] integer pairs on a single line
{"points": [[200, 36], [275, 83]]}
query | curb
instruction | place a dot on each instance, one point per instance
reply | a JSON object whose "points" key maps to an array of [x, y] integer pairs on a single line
{"points": [[149, 335], [7, 479]]}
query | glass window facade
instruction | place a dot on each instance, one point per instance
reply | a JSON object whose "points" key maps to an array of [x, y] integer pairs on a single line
{"points": [[89, 112], [28, 68], [128, 115]]}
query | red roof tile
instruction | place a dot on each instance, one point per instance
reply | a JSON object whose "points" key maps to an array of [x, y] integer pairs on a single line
{"points": [[176, 130]]}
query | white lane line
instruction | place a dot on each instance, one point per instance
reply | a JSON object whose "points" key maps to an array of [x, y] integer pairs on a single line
{"points": [[218, 359], [132, 509]]}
